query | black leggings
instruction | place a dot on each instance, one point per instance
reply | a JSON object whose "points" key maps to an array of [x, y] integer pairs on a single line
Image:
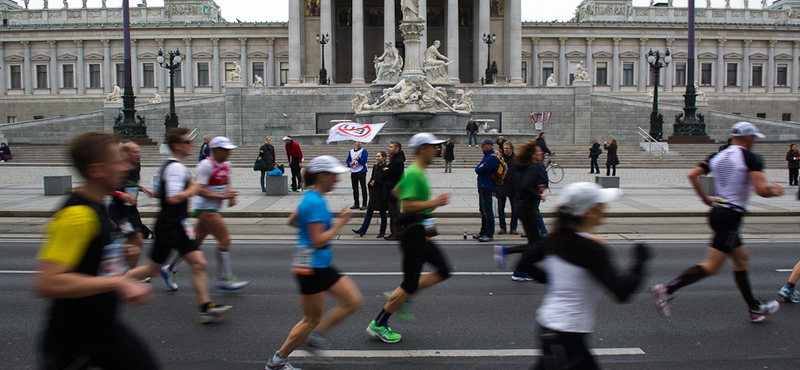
{"points": [[116, 348], [562, 350], [417, 251]]}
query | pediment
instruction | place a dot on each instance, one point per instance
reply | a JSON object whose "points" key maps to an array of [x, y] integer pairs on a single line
{"points": [[783, 57], [707, 56], [229, 54], [40, 58], [93, 56], [526, 54], [629, 54], [602, 54], [733, 56], [15, 58], [258, 54], [282, 54], [118, 56], [148, 55], [575, 54], [67, 57], [759, 56], [548, 54], [680, 55], [202, 55]]}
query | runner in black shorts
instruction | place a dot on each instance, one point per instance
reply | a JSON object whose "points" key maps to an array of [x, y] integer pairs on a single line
{"points": [[173, 229], [737, 170], [82, 268]]}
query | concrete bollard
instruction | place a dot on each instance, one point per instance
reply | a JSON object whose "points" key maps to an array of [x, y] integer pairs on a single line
{"points": [[607, 181], [57, 185], [277, 185]]}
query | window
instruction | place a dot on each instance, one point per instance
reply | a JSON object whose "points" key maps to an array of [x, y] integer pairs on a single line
{"points": [[758, 75], [229, 68], [11, 119], [627, 73], [41, 77], [67, 74], [602, 74], [178, 76], [733, 75], [16, 77], [761, 115], [258, 70], [148, 75], [38, 117], [782, 76], [94, 76], [202, 74], [680, 74], [547, 71], [705, 74], [284, 73], [525, 71], [120, 69], [786, 117]]}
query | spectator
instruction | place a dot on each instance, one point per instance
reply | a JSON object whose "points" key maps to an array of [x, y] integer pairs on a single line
{"points": [[594, 154], [295, 156], [205, 150], [267, 153], [357, 160], [505, 190], [376, 200], [500, 141], [526, 190], [543, 144], [472, 132], [392, 174], [611, 158], [485, 170], [449, 146], [793, 157], [5, 152], [543, 182]]}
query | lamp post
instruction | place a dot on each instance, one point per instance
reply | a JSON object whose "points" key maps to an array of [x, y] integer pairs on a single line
{"points": [[171, 120], [657, 119], [489, 40], [126, 125], [323, 74], [690, 123]]}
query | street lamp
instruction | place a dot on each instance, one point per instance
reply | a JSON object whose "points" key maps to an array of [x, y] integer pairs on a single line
{"points": [[690, 123], [489, 40], [126, 125], [323, 74], [657, 119], [171, 119]]}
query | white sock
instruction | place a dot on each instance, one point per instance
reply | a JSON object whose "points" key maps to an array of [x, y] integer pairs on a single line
{"points": [[224, 258]]}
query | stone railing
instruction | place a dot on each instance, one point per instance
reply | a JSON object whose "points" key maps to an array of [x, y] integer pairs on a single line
{"points": [[184, 11], [614, 11]]}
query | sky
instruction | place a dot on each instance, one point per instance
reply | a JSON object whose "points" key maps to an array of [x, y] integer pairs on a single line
{"points": [[278, 10]]}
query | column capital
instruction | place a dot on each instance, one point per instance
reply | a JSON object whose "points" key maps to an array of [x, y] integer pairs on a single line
{"points": [[26, 44], [772, 43], [747, 42], [133, 42], [79, 43], [563, 40], [670, 41], [643, 41], [270, 40], [160, 42], [187, 41], [105, 42], [243, 41], [215, 41], [796, 44], [721, 42], [589, 40], [617, 40], [52, 43], [535, 40]]}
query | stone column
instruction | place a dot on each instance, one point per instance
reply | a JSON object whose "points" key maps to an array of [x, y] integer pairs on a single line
{"points": [[161, 75], [615, 65], [245, 68], [271, 62], [452, 40], [643, 65], [746, 65], [358, 43], [795, 66], [720, 83], [388, 21], [562, 62], [326, 26], [668, 75], [108, 85], [188, 67], [28, 72], [3, 88], [53, 73], [423, 13], [771, 66], [535, 61], [216, 82], [483, 27], [590, 60], [295, 42], [513, 13], [80, 69], [134, 66]]}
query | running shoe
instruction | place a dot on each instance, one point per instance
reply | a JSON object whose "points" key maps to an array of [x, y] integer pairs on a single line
{"points": [[663, 299], [790, 295], [521, 276], [147, 279], [315, 343], [384, 333], [285, 365], [231, 283], [485, 239], [404, 312], [213, 311], [763, 310], [500, 256], [169, 278]]}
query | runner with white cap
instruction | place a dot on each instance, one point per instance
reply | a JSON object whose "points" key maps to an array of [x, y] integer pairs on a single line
{"points": [[737, 170], [577, 268], [311, 264]]}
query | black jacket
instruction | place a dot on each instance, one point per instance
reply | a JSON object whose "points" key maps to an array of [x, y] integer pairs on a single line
{"points": [[267, 152], [448, 152], [393, 174], [526, 193], [472, 127], [611, 158], [543, 145], [595, 151], [506, 188]]}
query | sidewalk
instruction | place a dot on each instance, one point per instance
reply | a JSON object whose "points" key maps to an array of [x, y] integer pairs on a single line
{"points": [[646, 193]]}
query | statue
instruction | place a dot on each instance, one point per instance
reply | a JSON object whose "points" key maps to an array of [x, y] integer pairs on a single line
{"points": [[463, 101], [433, 96], [26, 3], [144, 3], [410, 9], [115, 96], [434, 64], [708, 4], [763, 4], [727, 4], [669, 3], [652, 2], [103, 4], [236, 75], [84, 4], [156, 99], [581, 73], [701, 96], [259, 82], [44, 4], [551, 81], [650, 96], [746, 4], [66, 5], [389, 65], [361, 102], [399, 95]]}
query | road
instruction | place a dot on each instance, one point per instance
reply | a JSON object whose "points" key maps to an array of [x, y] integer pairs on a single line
{"points": [[479, 319]]}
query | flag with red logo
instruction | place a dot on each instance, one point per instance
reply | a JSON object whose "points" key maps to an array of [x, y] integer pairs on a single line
{"points": [[540, 118], [354, 131]]}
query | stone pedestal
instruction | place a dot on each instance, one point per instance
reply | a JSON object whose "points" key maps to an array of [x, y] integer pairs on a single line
{"points": [[607, 181], [413, 30], [57, 185], [276, 185]]}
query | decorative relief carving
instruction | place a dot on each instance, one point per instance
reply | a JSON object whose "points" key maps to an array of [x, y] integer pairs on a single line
{"points": [[154, 12], [35, 15], [136, 13], [699, 13], [95, 14], [661, 12], [718, 14], [681, 13], [185, 9], [115, 13], [737, 14], [642, 12], [76, 14]]}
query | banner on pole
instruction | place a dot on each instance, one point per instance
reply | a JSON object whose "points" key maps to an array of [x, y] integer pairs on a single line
{"points": [[354, 131], [540, 118]]}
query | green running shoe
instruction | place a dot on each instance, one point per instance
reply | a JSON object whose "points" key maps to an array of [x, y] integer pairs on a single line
{"points": [[404, 312], [383, 333]]}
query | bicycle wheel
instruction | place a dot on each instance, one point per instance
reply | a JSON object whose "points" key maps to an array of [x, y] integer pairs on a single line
{"points": [[555, 173]]}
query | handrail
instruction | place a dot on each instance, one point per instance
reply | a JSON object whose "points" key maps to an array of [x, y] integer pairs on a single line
{"points": [[651, 141]]}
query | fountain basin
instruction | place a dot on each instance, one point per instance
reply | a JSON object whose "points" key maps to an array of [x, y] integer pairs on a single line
{"points": [[414, 116]]}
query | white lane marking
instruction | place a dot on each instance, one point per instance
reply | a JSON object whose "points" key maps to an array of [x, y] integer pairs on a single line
{"points": [[476, 273], [783, 270], [18, 272], [461, 353]]}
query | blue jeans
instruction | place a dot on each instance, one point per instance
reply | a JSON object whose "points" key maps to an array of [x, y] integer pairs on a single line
{"points": [[473, 135], [487, 213], [263, 175], [368, 219], [542, 228], [594, 167], [501, 213]]}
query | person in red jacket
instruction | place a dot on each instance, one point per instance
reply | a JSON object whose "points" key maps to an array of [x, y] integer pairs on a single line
{"points": [[295, 156]]}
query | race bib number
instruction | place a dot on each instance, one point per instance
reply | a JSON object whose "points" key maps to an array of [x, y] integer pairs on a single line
{"points": [[188, 228], [134, 192], [301, 261], [112, 262]]}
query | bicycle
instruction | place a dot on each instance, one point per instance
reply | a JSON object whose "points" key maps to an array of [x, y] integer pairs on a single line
{"points": [[555, 173]]}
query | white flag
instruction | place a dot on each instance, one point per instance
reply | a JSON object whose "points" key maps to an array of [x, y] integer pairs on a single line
{"points": [[354, 131]]}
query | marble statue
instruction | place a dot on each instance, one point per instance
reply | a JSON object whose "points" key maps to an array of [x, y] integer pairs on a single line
{"points": [[259, 82], [463, 101], [44, 4], [103, 4], [410, 9], [66, 5], [727, 4], [551, 81], [435, 64], [115, 96], [581, 73], [399, 95], [156, 98], [236, 75], [431, 97], [763, 4], [361, 102], [389, 65], [746, 4], [652, 2], [84, 4], [708, 4], [26, 3], [650, 96], [669, 3], [701, 95]]}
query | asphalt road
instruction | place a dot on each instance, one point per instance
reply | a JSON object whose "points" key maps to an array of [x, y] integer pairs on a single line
{"points": [[478, 319]]}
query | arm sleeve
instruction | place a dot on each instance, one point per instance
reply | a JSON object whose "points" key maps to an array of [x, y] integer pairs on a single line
{"points": [[528, 184], [705, 164], [596, 260], [69, 235], [363, 158], [489, 166], [203, 172], [753, 161], [174, 178], [299, 151], [347, 160]]}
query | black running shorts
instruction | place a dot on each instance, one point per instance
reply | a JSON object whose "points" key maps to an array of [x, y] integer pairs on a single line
{"points": [[169, 237], [322, 280], [725, 223], [416, 251], [116, 347]]}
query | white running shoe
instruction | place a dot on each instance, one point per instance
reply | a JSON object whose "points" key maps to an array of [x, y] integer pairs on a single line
{"points": [[763, 310], [231, 283], [663, 299], [169, 278]]}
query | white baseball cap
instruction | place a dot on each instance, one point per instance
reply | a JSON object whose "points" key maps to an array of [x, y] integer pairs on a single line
{"points": [[221, 142], [326, 163], [745, 129], [286, 138], [422, 139], [580, 197]]}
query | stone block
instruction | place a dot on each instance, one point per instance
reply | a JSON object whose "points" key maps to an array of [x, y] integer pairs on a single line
{"points": [[57, 185], [277, 185], [607, 181]]}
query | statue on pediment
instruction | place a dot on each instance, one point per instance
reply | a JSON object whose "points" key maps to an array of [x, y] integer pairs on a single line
{"points": [[551, 81], [435, 64], [389, 65], [410, 9], [115, 96]]}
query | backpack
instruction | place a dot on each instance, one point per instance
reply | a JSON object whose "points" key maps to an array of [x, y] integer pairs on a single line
{"points": [[502, 170]]}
